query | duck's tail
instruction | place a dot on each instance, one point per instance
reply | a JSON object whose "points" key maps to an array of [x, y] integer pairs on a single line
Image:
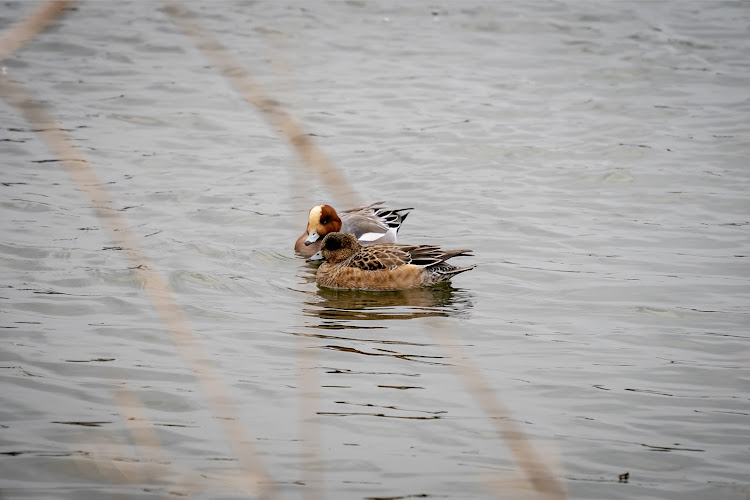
{"points": [[393, 218], [444, 272], [449, 254]]}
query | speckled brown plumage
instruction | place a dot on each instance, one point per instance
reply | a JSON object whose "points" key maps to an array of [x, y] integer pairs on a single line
{"points": [[386, 266]]}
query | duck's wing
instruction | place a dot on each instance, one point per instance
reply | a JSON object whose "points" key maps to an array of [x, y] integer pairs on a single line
{"points": [[383, 256], [430, 255], [359, 224]]}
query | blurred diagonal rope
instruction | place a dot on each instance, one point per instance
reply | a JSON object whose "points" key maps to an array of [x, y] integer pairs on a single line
{"points": [[539, 475], [141, 429], [20, 33], [271, 110], [309, 394], [153, 283]]}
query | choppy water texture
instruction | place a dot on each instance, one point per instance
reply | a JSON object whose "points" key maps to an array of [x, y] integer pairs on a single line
{"points": [[593, 154]]}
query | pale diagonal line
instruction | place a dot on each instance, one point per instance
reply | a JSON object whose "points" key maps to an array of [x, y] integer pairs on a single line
{"points": [[139, 426], [310, 432], [153, 283], [19, 34], [533, 466], [321, 166], [272, 111]]}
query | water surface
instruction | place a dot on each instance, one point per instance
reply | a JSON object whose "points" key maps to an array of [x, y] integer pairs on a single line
{"points": [[593, 155]]}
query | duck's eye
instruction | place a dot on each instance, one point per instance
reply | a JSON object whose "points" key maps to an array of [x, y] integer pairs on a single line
{"points": [[333, 244], [324, 221]]}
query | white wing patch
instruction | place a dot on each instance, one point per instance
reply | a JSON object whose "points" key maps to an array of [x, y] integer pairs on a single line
{"points": [[369, 237]]}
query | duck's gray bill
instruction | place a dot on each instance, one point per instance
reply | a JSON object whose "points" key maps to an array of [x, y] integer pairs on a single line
{"points": [[312, 238], [317, 256]]}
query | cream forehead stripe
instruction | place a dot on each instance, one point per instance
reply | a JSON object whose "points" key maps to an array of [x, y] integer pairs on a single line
{"points": [[314, 219]]}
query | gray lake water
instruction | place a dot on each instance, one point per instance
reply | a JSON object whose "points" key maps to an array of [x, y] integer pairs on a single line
{"points": [[593, 154]]}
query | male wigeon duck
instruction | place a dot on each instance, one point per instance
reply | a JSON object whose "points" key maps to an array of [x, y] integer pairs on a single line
{"points": [[386, 266], [371, 224]]}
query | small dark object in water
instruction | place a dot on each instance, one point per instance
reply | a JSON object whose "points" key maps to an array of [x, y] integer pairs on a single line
{"points": [[623, 478]]}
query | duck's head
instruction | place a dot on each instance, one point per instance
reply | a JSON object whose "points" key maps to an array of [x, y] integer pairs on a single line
{"points": [[337, 247], [322, 220]]}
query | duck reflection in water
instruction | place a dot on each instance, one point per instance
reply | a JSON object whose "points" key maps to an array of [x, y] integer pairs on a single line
{"points": [[348, 305]]}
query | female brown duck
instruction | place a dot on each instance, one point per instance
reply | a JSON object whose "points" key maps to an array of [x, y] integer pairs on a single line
{"points": [[385, 266]]}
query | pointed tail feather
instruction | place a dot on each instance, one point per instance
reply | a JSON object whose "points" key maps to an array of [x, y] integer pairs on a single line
{"points": [[446, 272], [449, 254], [393, 218]]}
